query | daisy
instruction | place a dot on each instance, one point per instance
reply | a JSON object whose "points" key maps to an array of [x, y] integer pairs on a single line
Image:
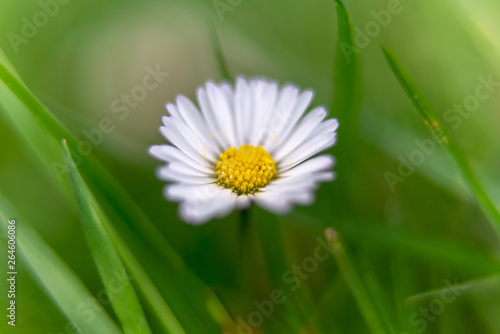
{"points": [[254, 142]]}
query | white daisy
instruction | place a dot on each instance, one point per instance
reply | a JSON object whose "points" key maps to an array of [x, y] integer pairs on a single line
{"points": [[251, 143]]}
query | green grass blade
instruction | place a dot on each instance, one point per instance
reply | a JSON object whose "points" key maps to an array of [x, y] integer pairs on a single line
{"points": [[219, 56], [432, 123], [33, 104], [56, 278], [124, 300], [352, 278], [380, 301], [403, 278], [431, 250], [182, 289], [145, 285], [298, 310], [345, 105], [346, 72], [416, 97]]}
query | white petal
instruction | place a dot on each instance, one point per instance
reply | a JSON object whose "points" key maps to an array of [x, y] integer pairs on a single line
{"points": [[249, 117], [178, 174], [242, 107], [228, 92], [302, 198], [223, 114], [170, 153], [243, 201], [272, 201], [330, 125], [191, 193], [179, 141], [178, 171], [299, 197], [162, 152], [210, 116], [311, 166], [194, 120], [176, 125], [298, 110], [265, 96], [322, 138], [301, 182], [280, 115], [281, 198], [173, 110], [310, 147], [200, 212], [181, 168], [299, 133]]}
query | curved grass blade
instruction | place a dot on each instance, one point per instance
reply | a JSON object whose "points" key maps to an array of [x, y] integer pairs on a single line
{"points": [[219, 56], [345, 104], [380, 301], [124, 300], [431, 121], [182, 289], [352, 278], [145, 285], [57, 279], [346, 72], [438, 251], [25, 96]]}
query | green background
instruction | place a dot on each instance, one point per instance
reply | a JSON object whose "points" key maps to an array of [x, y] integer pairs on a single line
{"points": [[404, 244]]}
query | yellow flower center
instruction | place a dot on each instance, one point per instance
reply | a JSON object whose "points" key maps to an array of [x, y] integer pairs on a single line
{"points": [[245, 170]]}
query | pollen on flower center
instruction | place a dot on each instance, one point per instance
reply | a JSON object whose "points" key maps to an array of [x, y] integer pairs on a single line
{"points": [[245, 170]]}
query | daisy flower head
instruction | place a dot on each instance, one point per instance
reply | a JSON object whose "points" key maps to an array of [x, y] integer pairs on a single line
{"points": [[251, 142]]}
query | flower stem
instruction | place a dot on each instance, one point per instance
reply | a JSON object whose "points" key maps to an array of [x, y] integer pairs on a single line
{"points": [[355, 283], [245, 256], [244, 231]]}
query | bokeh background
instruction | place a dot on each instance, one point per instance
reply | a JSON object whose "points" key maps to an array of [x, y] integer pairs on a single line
{"points": [[406, 241]]}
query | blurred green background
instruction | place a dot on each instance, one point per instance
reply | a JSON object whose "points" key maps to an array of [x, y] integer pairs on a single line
{"points": [[405, 243]]}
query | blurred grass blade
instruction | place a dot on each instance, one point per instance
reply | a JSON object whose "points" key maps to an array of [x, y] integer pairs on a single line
{"points": [[219, 56], [32, 103], [403, 278], [432, 123], [441, 252], [123, 299], [179, 286], [380, 301], [299, 310], [56, 278], [144, 283], [346, 73], [485, 284], [344, 107], [352, 278]]}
